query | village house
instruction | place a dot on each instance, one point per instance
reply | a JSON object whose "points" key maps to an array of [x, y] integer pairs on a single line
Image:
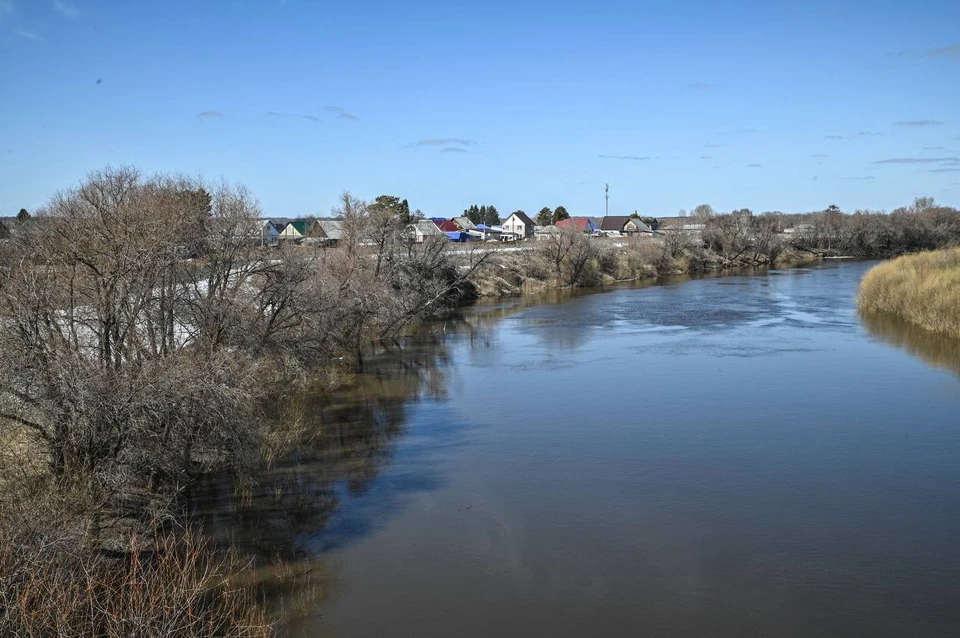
{"points": [[486, 233], [520, 225], [541, 233], [619, 225], [424, 230], [464, 223], [328, 231], [295, 230], [269, 232], [447, 226], [583, 224]]}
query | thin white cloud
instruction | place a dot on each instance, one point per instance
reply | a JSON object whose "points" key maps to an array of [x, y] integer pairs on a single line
{"points": [[919, 123], [631, 158], [444, 141], [952, 51], [701, 86], [340, 113], [65, 9], [28, 34], [312, 118], [7, 9], [209, 115], [453, 149], [852, 136], [918, 160]]}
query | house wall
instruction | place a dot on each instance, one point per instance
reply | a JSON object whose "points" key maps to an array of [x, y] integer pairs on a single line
{"points": [[516, 226]]}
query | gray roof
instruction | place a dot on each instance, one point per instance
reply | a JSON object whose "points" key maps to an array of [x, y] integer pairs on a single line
{"points": [[464, 222], [332, 228], [427, 227]]}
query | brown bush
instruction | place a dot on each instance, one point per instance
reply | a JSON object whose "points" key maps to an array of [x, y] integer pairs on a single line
{"points": [[167, 586]]}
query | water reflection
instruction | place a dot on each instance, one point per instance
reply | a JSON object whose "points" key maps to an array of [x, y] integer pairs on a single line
{"points": [[293, 510], [937, 350], [350, 437]]}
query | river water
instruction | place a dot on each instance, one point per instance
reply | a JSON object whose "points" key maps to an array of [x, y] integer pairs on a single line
{"points": [[725, 456]]}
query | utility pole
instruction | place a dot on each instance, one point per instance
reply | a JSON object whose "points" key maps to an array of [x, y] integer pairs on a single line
{"points": [[606, 198]]}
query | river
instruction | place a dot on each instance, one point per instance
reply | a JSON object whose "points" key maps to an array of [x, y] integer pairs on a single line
{"points": [[740, 455]]}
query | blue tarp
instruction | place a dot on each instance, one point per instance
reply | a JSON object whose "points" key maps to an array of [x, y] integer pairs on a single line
{"points": [[459, 236]]}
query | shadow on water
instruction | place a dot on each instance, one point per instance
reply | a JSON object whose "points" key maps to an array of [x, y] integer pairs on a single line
{"points": [[312, 500], [937, 350]]}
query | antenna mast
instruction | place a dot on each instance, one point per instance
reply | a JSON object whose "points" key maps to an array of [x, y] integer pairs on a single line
{"points": [[606, 200]]}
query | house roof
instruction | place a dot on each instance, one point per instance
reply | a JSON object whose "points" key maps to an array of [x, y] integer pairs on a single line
{"points": [[545, 229], [299, 226], [522, 216], [617, 222], [580, 223], [331, 228], [447, 227], [614, 222], [427, 227], [464, 223]]}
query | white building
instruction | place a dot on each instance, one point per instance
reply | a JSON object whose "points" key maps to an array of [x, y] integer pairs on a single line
{"points": [[520, 225]]}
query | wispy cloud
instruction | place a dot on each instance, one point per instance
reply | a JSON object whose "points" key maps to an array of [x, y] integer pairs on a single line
{"points": [[819, 155], [714, 145], [275, 114], [918, 160], [865, 178], [443, 141], [852, 136], [28, 34], [700, 86], [919, 123], [943, 170], [706, 157], [629, 158], [209, 115], [453, 149], [952, 51], [814, 178], [934, 148], [754, 165], [340, 113], [312, 118], [65, 9], [7, 8]]}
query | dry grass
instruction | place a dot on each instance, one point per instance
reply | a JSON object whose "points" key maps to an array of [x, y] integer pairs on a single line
{"points": [[172, 586], [923, 289]]}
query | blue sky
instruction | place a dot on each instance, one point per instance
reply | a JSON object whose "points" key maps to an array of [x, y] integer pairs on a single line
{"points": [[767, 105]]}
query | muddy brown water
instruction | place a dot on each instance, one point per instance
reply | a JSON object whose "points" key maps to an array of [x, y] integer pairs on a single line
{"points": [[724, 456]]}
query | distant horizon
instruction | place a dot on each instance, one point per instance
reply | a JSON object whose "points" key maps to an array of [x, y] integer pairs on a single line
{"points": [[518, 105]]}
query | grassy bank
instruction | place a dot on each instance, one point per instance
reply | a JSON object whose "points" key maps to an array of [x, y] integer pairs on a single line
{"points": [[923, 289]]}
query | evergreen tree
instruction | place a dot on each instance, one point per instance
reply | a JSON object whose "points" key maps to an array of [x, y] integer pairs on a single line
{"points": [[492, 216], [545, 216], [23, 215], [560, 213]]}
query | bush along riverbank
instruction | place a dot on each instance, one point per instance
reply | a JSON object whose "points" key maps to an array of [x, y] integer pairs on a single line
{"points": [[148, 339], [573, 260], [922, 289]]}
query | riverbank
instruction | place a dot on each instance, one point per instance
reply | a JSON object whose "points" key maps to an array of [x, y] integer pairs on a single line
{"points": [[597, 263], [922, 289]]}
